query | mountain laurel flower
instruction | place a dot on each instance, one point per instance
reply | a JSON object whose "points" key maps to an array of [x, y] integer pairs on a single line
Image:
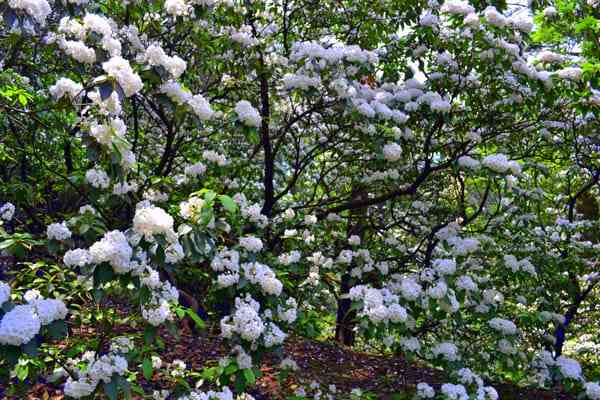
{"points": [[569, 368], [19, 325], [248, 114], [78, 50], [424, 391], [177, 8], [118, 68], [496, 162], [251, 243], [114, 249], [429, 19], [7, 211], [77, 258], [65, 86], [58, 231], [392, 152], [49, 310], [447, 350], [4, 292], [156, 56], [495, 18], [550, 12], [152, 220], [468, 162], [444, 266], [503, 326], [454, 392], [354, 240], [457, 7], [570, 73], [592, 390], [37, 9], [97, 178]]}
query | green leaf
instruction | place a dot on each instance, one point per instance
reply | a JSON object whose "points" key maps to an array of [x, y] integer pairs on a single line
{"points": [[58, 329], [103, 274], [125, 386], [249, 376], [111, 389], [199, 322], [147, 368], [22, 371], [228, 203], [231, 369], [10, 353], [31, 347], [7, 243], [106, 90], [149, 334]]}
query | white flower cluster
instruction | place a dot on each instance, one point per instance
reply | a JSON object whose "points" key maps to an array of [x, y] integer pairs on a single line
{"points": [[78, 50], [65, 86], [191, 208], [289, 258], [248, 114], [199, 105], [58, 231], [519, 265], [97, 178], [446, 350], [245, 320], [7, 211], [425, 391], [195, 170], [177, 8], [503, 326], [501, 164], [19, 325], [332, 55], [262, 275], [163, 294], [379, 305], [106, 134], [253, 213], [215, 157], [151, 220], [392, 152], [251, 243], [243, 36], [457, 7], [98, 370], [570, 73], [37, 9], [224, 394], [113, 248], [122, 188], [592, 390], [444, 266], [300, 81], [156, 56], [118, 68], [4, 292], [469, 162], [77, 258], [568, 368]]}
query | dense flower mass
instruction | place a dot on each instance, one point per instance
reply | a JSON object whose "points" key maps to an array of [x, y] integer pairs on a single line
{"points": [[408, 178]]}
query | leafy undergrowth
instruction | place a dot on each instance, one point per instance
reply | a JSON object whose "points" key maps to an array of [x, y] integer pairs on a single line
{"points": [[326, 363]]}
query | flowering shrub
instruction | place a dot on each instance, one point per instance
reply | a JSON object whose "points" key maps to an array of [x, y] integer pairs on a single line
{"points": [[417, 178]]}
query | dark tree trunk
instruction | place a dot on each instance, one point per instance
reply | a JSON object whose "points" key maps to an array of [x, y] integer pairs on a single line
{"points": [[346, 318]]}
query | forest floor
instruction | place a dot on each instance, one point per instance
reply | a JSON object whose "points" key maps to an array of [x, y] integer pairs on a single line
{"points": [[326, 363]]}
